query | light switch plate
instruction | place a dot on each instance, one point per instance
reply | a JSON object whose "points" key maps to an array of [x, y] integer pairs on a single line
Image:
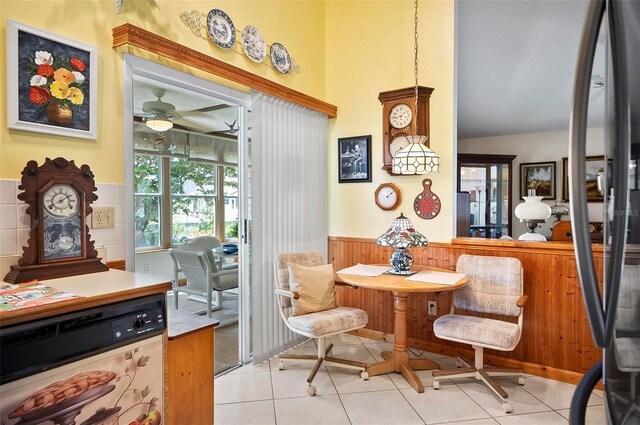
{"points": [[103, 218]]}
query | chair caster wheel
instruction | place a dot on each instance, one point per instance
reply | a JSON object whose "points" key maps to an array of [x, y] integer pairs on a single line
{"points": [[521, 380], [364, 375], [506, 408], [281, 365], [311, 390], [436, 385]]}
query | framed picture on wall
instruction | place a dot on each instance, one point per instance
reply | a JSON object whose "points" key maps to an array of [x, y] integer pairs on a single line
{"points": [[51, 83], [594, 165], [539, 176], [354, 159]]}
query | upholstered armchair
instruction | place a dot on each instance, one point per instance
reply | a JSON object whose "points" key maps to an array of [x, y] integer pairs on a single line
{"points": [[318, 325], [494, 287]]}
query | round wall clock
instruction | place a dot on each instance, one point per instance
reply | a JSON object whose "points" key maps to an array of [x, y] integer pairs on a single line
{"points": [[387, 196], [398, 144], [400, 115], [427, 204], [59, 196]]}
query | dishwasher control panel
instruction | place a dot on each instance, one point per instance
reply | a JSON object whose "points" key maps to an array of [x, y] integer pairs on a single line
{"points": [[138, 324]]}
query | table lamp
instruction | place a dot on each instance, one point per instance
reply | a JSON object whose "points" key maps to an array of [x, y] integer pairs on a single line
{"points": [[559, 210], [401, 235], [533, 212]]}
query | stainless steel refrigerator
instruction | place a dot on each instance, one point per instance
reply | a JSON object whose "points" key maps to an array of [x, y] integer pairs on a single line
{"points": [[614, 312]]}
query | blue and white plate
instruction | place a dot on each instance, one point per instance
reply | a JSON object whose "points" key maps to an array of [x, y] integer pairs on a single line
{"points": [[253, 43], [221, 29], [280, 58]]}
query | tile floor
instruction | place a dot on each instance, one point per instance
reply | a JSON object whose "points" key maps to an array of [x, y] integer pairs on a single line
{"points": [[264, 395]]}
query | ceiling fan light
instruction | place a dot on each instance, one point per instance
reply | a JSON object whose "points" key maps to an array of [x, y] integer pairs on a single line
{"points": [[159, 124]]}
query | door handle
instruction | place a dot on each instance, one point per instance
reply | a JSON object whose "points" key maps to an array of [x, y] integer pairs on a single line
{"points": [[245, 237], [619, 167], [577, 171]]}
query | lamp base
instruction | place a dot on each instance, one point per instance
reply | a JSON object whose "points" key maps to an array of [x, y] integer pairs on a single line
{"points": [[400, 272], [401, 260], [532, 236]]}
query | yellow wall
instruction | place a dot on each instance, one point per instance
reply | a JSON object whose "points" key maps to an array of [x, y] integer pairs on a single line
{"points": [[369, 49], [348, 51], [299, 25]]}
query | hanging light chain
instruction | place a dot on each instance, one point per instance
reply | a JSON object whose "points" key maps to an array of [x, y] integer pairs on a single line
{"points": [[415, 63]]}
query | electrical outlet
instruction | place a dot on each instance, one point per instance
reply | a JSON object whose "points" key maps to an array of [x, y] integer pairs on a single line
{"points": [[147, 268], [432, 308], [102, 218]]}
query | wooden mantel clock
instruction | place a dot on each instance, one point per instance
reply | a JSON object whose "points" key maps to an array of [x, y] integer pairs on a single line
{"points": [[398, 119], [59, 197]]}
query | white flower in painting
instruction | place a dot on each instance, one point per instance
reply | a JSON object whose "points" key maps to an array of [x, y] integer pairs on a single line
{"points": [[43, 58], [38, 80], [79, 77]]}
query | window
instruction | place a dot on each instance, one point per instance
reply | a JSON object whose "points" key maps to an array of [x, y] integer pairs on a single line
{"points": [[193, 199], [187, 200], [147, 190]]}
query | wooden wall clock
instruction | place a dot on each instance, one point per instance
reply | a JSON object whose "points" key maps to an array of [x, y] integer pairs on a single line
{"points": [[59, 197], [387, 196], [398, 119]]}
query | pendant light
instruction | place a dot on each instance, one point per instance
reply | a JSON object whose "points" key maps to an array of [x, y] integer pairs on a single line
{"points": [[416, 157]]}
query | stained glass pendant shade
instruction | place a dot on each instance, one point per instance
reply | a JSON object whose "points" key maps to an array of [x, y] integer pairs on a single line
{"points": [[416, 158], [402, 235]]}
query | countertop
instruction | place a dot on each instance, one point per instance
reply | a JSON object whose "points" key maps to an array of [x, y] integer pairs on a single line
{"points": [[181, 323], [95, 289]]}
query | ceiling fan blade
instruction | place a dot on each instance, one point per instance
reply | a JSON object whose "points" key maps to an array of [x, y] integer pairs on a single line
{"points": [[210, 108]]}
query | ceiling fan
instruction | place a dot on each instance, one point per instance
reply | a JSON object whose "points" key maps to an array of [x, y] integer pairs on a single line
{"points": [[597, 87], [159, 113]]}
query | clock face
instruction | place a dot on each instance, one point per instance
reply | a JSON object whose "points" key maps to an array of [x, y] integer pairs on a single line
{"points": [[387, 196], [61, 201], [397, 145], [400, 115]]}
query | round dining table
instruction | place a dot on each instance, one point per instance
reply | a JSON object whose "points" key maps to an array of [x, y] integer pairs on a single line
{"points": [[398, 360]]}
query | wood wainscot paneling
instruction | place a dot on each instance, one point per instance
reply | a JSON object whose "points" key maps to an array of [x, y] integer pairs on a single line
{"points": [[556, 340]]}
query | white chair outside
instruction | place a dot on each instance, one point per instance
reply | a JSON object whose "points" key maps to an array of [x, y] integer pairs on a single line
{"points": [[318, 325], [495, 287], [203, 278]]}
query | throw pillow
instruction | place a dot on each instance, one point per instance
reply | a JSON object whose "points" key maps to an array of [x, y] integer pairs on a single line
{"points": [[316, 287]]}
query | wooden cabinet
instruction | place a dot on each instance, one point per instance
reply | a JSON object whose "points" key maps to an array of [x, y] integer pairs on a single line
{"points": [[463, 214], [488, 179], [189, 369]]}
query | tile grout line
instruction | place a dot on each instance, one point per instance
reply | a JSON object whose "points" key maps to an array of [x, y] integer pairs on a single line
{"points": [[273, 395]]}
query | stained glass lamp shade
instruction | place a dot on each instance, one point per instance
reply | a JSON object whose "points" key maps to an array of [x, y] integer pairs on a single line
{"points": [[416, 158], [402, 235]]}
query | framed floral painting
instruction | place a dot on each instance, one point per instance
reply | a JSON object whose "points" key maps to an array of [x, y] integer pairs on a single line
{"points": [[51, 83]]}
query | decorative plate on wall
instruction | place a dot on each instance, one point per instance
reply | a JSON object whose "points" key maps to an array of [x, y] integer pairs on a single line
{"points": [[280, 58], [221, 29], [253, 43], [427, 204]]}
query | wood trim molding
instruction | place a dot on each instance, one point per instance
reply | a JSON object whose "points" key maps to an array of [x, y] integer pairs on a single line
{"points": [[131, 35], [118, 265], [373, 240]]}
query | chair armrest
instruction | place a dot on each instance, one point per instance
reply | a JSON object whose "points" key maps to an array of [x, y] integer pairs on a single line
{"points": [[224, 272], [522, 301], [346, 284], [295, 295]]}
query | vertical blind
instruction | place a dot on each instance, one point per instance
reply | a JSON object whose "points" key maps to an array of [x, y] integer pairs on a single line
{"points": [[290, 205]]}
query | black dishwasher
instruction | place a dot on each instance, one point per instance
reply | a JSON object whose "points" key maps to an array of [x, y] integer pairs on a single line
{"points": [[102, 365]]}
